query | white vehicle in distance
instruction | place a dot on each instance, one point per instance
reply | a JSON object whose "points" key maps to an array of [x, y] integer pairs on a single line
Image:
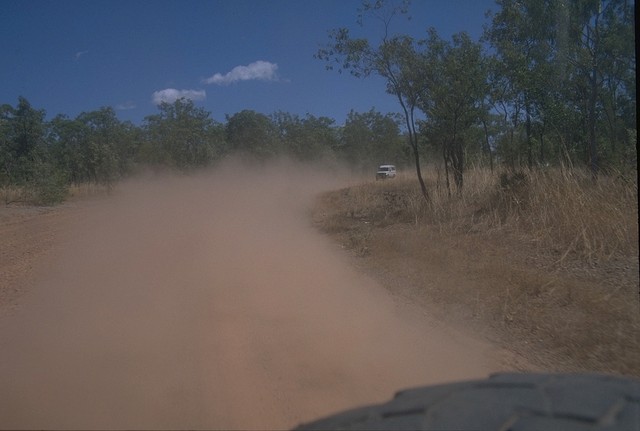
{"points": [[386, 171]]}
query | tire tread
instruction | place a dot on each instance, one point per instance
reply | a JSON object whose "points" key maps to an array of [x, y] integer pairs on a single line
{"points": [[505, 401]]}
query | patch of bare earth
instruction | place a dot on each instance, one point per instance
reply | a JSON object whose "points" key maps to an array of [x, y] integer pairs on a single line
{"points": [[28, 235], [561, 313]]}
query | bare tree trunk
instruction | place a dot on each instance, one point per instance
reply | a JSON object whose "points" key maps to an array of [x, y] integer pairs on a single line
{"points": [[457, 158], [528, 131], [593, 146], [413, 141], [447, 159], [593, 97]]}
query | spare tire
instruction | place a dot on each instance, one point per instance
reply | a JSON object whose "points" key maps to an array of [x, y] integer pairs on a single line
{"points": [[581, 401]]}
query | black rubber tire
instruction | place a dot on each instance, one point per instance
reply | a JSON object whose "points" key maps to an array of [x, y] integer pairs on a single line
{"points": [[503, 402]]}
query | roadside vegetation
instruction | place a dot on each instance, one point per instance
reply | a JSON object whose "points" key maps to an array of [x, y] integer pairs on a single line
{"points": [[545, 262], [42, 162]]}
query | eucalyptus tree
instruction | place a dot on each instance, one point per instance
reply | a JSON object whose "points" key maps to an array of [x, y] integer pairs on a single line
{"points": [[522, 33], [67, 145], [252, 133], [452, 98], [22, 141], [393, 58], [182, 136], [308, 138], [321, 138], [93, 147], [371, 138], [6, 158], [599, 54], [102, 135], [25, 157], [502, 98], [567, 67]]}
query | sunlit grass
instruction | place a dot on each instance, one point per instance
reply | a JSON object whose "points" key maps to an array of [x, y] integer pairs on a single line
{"points": [[558, 209]]}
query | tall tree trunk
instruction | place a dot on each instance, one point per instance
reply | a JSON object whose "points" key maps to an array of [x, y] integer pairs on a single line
{"points": [[457, 158], [413, 141], [529, 140], [593, 97], [447, 161], [458, 165]]}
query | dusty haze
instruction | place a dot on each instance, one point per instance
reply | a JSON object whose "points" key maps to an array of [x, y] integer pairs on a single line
{"points": [[211, 302]]}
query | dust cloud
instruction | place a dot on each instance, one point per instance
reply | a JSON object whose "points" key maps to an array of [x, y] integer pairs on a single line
{"points": [[209, 301]]}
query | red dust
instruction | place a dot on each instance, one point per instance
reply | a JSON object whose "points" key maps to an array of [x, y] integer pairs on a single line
{"points": [[210, 302]]}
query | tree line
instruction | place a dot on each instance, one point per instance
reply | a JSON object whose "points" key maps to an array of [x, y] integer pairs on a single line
{"points": [[96, 147], [549, 81]]}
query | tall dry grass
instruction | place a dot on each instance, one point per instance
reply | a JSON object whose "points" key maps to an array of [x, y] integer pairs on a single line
{"points": [[12, 194], [85, 190], [569, 212], [561, 210], [23, 195]]}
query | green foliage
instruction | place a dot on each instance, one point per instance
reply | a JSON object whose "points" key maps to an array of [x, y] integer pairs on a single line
{"points": [[48, 185], [181, 136], [91, 148], [22, 136], [39, 159], [559, 86], [563, 76], [309, 138], [254, 134], [453, 95], [370, 139]]}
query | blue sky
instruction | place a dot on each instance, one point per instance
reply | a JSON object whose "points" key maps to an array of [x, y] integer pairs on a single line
{"points": [[67, 57]]}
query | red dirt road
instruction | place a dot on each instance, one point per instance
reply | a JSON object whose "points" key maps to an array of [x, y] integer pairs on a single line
{"points": [[208, 302]]}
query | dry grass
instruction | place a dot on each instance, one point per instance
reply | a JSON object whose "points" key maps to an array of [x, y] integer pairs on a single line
{"points": [[562, 211], [572, 214], [18, 195], [12, 194], [84, 190], [549, 259], [27, 196]]}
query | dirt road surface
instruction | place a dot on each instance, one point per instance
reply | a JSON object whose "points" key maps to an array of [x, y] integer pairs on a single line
{"points": [[204, 302]]}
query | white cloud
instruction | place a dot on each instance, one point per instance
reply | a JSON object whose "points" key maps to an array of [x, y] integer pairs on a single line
{"points": [[80, 54], [170, 95], [259, 70], [126, 106]]}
